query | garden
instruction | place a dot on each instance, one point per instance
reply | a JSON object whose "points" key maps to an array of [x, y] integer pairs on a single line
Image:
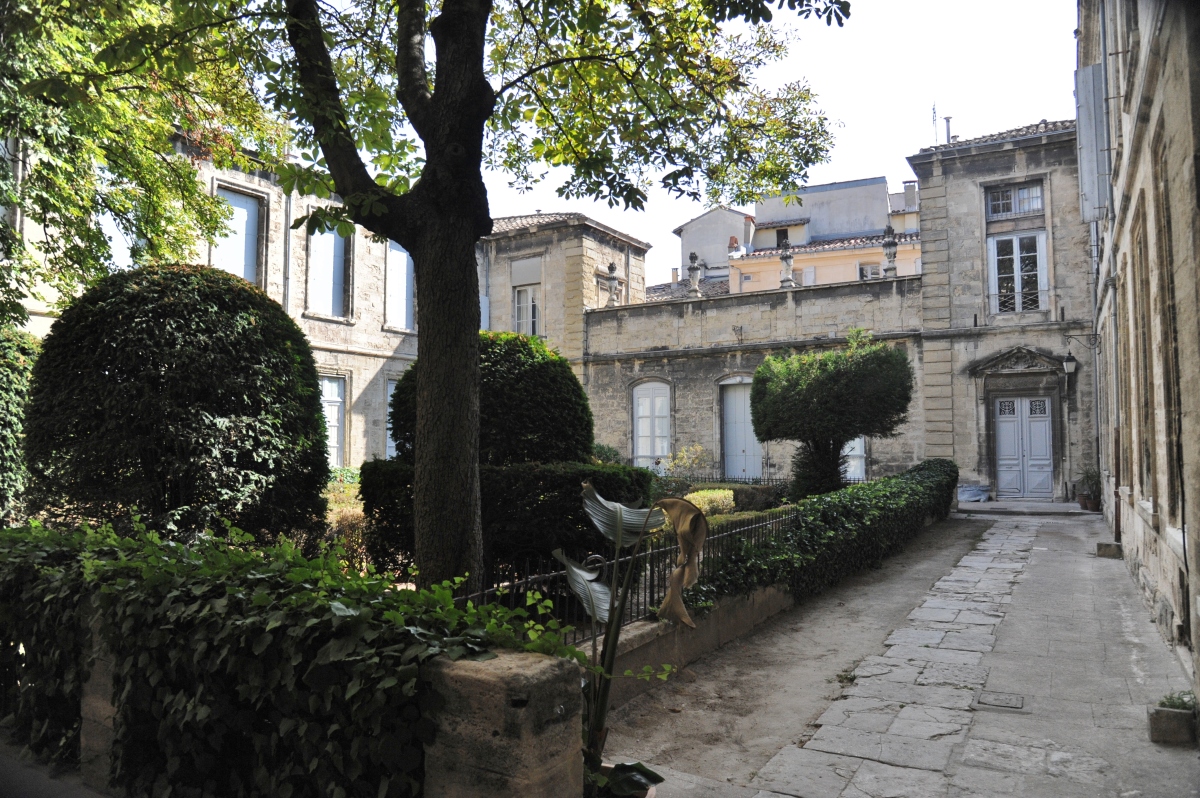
{"points": [[267, 635]]}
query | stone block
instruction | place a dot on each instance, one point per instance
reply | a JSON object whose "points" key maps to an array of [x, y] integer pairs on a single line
{"points": [[823, 775], [1171, 726], [509, 727], [1111, 551]]}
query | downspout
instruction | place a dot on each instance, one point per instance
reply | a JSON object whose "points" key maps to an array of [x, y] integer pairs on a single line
{"points": [[287, 252]]}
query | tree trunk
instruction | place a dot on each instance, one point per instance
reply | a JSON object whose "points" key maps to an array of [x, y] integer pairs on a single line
{"points": [[817, 468], [449, 537]]}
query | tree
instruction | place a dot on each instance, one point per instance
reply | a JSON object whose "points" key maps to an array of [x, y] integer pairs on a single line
{"points": [[185, 392], [535, 412], [618, 92], [824, 400], [18, 351]]}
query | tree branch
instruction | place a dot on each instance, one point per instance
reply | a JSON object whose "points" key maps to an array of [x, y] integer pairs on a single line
{"points": [[412, 79]]}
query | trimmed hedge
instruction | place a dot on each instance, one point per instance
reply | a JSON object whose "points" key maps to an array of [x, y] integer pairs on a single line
{"points": [[18, 350], [835, 535], [531, 405], [238, 671], [528, 509], [186, 392]]}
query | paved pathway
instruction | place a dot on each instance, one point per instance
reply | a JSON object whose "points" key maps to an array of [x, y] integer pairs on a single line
{"points": [[1026, 671]]}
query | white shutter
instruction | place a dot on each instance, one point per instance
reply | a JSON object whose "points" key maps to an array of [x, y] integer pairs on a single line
{"points": [[327, 274], [398, 303], [237, 253], [333, 402]]}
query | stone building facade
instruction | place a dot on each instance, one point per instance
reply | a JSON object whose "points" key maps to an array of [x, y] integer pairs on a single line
{"points": [[1003, 276], [1138, 88]]}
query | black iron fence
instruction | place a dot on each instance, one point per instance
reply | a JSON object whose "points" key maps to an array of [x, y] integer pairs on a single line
{"points": [[511, 584]]}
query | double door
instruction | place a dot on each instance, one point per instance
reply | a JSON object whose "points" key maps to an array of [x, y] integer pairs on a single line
{"points": [[1024, 448], [743, 453]]}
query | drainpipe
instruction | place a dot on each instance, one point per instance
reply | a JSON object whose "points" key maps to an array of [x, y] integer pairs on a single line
{"points": [[287, 252]]}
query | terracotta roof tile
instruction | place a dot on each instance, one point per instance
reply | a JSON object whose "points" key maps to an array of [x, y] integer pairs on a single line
{"points": [[830, 244], [1039, 129], [709, 286], [505, 224]]}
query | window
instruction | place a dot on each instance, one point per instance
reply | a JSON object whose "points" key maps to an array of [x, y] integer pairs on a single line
{"points": [[855, 453], [1018, 200], [237, 253], [781, 235], [327, 283], [1018, 272], [389, 449], [398, 287], [333, 402], [525, 309], [651, 424], [810, 275], [119, 245], [868, 271]]}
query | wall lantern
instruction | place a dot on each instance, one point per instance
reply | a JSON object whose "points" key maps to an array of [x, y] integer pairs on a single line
{"points": [[785, 257], [1069, 363]]}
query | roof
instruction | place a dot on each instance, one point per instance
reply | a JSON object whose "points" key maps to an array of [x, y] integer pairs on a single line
{"points": [[1028, 131], [709, 286], [512, 225], [725, 208], [781, 223], [831, 244]]}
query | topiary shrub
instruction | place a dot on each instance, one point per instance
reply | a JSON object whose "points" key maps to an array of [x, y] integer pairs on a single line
{"points": [[531, 405], [18, 350], [528, 509], [824, 400], [715, 501], [185, 392]]}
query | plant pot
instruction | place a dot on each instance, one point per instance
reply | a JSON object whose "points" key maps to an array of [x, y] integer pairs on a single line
{"points": [[1172, 726], [1089, 503], [607, 767]]}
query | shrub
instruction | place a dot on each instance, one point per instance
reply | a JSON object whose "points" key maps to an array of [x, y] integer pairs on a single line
{"points": [[606, 454], [833, 535], [183, 391], [757, 498], [238, 671], [531, 409], [18, 350], [712, 502], [527, 509], [826, 399]]}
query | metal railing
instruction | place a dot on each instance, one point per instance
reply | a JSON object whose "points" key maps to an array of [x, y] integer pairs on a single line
{"points": [[653, 564]]}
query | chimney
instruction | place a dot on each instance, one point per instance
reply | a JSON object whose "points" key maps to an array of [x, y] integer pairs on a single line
{"points": [[910, 194], [675, 274], [733, 243], [748, 229]]}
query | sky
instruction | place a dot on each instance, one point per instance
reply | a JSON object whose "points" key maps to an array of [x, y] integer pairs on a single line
{"points": [[989, 66]]}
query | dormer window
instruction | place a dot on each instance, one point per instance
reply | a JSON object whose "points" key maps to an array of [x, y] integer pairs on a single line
{"points": [[781, 235], [1016, 200]]}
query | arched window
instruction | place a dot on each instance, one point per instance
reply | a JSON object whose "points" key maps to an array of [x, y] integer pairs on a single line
{"points": [[651, 423]]}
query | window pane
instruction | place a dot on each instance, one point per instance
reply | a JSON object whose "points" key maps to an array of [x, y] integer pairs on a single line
{"points": [[1029, 198], [1029, 273], [327, 274], [1000, 201], [533, 312], [398, 305], [237, 253]]}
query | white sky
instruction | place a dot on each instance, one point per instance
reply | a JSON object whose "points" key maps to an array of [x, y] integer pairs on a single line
{"points": [[989, 66]]}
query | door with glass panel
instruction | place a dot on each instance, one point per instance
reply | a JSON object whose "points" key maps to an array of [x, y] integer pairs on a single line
{"points": [[1024, 448], [1019, 273], [651, 425], [333, 402], [743, 452]]}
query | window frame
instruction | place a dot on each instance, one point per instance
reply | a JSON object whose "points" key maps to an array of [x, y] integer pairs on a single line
{"points": [[653, 389], [410, 289], [347, 315], [1018, 280], [534, 291], [1015, 188], [260, 232], [343, 420]]}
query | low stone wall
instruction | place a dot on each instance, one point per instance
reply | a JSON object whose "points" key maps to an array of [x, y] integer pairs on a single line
{"points": [[657, 643]]}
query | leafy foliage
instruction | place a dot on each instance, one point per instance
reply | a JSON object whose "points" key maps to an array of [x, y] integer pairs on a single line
{"points": [[183, 391], [237, 671], [835, 534], [713, 501], [606, 454], [106, 122], [533, 408], [826, 399], [18, 350], [529, 509]]}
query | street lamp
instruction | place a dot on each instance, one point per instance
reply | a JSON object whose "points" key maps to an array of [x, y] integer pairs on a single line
{"points": [[785, 257], [889, 251], [694, 276], [1069, 363]]}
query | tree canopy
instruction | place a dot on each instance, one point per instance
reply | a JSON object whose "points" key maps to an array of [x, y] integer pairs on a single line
{"points": [[395, 106], [825, 399]]}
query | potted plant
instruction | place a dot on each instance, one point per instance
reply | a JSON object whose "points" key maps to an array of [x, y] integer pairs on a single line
{"points": [[1088, 488], [605, 603]]}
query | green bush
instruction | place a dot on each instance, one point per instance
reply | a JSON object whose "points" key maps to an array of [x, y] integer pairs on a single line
{"points": [[606, 454], [238, 671], [833, 535], [716, 501], [183, 391], [531, 405], [18, 350], [527, 509], [824, 400]]}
